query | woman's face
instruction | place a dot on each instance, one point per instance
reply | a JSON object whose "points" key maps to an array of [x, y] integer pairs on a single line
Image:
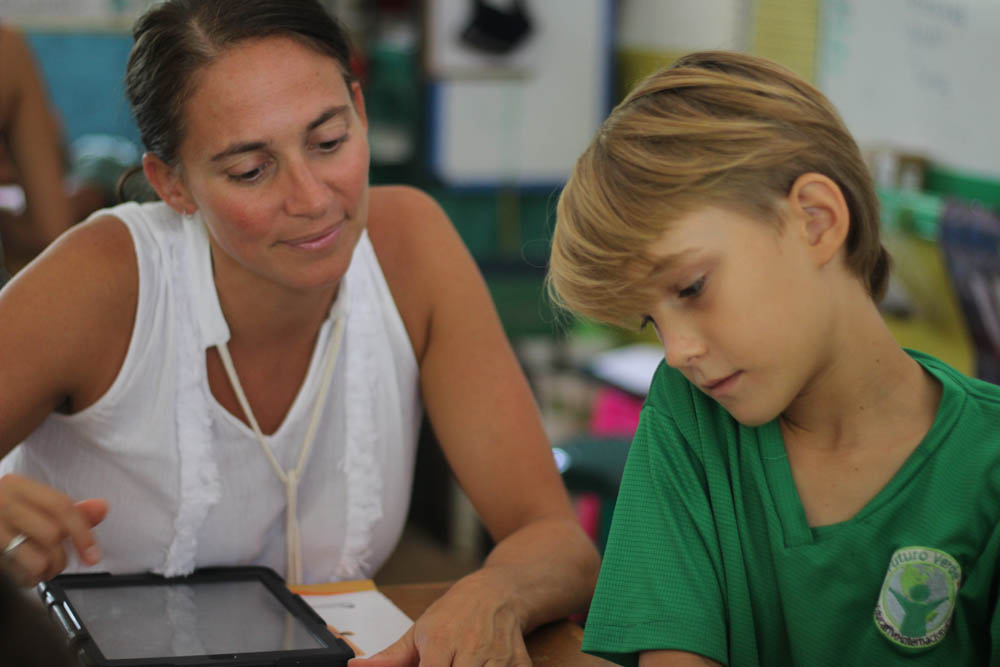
{"points": [[275, 158]]}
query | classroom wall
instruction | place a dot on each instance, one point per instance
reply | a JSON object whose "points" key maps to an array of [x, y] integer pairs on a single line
{"points": [[507, 227], [84, 73], [917, 75]]}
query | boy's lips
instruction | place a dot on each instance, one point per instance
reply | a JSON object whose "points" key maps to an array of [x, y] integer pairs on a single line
{"points": [[720, 385]]}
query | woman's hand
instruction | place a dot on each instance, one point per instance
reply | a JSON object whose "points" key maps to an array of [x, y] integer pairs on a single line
{"points": [[45, 517], [475, 623]]}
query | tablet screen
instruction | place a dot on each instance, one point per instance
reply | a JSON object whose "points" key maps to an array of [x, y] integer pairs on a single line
{"points": [[202, 618]]}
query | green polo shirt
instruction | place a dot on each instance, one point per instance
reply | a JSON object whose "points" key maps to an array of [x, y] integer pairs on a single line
{"points": [[710, 550]]}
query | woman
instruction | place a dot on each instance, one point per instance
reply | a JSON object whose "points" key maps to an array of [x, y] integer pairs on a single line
{"points": [[238, 370]]}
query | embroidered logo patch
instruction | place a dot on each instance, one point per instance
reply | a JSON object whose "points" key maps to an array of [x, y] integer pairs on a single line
{"points": [[918, 597]]}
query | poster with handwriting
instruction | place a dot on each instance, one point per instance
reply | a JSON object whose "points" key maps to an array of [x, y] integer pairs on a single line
{"points": [[918, 76]]}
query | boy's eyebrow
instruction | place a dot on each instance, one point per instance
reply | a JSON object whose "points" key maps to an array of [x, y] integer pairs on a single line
{"points": [[250, 146], [666, 263]]}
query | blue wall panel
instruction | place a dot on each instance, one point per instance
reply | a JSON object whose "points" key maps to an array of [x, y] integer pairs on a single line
{"points": [[84, 73]]}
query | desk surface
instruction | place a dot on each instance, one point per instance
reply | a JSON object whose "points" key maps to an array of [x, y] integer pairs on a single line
{"points": [[553, 645]]}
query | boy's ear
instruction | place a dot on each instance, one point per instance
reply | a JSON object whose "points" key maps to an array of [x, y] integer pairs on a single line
{"points": [[167, 182], [820, 213]]}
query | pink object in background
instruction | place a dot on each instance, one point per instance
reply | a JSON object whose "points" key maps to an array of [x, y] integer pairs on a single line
{"points": [[614, 414], [588, 513]]}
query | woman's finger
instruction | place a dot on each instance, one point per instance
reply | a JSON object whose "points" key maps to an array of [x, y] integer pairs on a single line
{"points": [[93, 512], [23, 515], [26, 563], [66, 518], [48, 517]]}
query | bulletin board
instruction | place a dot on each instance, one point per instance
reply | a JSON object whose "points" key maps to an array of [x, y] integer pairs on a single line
{"points": [[522, 121], [917, 75]]}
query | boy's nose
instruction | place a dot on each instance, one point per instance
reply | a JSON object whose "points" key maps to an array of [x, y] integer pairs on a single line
{"points": [[681, 349]]}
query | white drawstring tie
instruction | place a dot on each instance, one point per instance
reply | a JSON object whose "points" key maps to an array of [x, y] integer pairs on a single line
{"points": [[290, 478]]}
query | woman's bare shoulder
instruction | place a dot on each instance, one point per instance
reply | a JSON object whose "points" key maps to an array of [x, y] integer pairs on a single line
{"points": [[402, 210], [409, 228], [94, 256], [105, 247], [85, 284], [419, 252], [90, 273], [79, 295]]}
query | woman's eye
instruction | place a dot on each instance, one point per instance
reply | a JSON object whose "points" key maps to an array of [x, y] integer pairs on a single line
{"points": [[249, 176], [330, 145], [692, 290]]}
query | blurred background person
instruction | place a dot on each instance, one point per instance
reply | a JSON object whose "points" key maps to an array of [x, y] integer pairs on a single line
{"points": [[44, 186], [32, 155]]}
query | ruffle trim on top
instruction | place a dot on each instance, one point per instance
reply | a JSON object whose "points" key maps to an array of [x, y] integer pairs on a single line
{"points": [[361, 467], [200, 488]]}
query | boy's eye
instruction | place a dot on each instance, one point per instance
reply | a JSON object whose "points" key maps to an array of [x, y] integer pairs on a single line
{"points": [[692, 290]]}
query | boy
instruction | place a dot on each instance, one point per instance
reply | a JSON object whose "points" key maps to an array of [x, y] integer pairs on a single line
{"points": [[800, 489]]}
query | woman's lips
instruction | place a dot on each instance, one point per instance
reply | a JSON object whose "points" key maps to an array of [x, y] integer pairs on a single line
{"points": [[319, 241]]}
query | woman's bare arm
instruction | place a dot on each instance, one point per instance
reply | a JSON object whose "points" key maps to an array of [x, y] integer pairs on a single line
{"points": [[68, 319], [484, 415]]}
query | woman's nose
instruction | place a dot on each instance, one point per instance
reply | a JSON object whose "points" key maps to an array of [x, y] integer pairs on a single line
{"points": [[307, 194]]}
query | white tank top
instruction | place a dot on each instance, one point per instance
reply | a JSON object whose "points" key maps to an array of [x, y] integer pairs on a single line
{"points": [[187, 483]]}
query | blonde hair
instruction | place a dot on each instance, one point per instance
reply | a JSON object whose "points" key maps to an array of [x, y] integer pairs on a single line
{"points": [[716, 128]]}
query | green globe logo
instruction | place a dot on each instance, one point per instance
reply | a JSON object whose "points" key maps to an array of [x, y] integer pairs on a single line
{"points": [[918, 597]]}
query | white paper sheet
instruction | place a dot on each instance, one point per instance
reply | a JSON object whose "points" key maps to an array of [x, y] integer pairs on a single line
{"points": [[630, 368], [367, 618]]}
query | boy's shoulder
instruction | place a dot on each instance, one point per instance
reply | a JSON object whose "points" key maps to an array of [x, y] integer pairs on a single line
{"points": [[985, 395]]}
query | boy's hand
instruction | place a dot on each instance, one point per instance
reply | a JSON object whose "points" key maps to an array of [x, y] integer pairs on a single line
{"points": [[45, 518]]}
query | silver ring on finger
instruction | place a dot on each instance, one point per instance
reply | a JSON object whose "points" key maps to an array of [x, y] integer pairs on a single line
{"points": [[14, 543]]}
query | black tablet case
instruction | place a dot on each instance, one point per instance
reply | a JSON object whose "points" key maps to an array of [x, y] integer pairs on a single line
{"points": [[56, 595]]}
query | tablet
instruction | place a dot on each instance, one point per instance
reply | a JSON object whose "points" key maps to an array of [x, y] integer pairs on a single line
{"points": [[239, 616]]}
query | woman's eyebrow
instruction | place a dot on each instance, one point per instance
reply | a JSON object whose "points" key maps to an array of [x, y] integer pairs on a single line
{"points": [[250, 146], [234, 149], [325, 116]]}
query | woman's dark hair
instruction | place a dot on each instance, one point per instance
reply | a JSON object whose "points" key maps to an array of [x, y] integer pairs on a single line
{"points": [[177, 38]]}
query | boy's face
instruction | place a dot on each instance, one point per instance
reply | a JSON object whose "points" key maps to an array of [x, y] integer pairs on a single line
{"points": [[742, 312]]}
